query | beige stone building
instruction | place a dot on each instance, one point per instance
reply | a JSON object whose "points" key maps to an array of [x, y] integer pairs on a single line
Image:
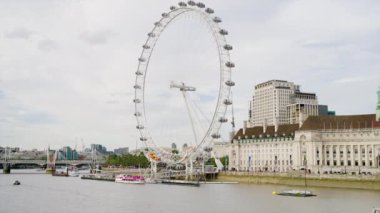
{"points": [[322, 144]]}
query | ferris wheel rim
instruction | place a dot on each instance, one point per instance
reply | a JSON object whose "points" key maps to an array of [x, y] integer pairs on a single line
{"points": [[225, 67]]}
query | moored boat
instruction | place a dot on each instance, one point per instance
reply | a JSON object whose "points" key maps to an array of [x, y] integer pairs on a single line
{"points": [[295, 193], [129, 179], [73, 173], [67, 172]]}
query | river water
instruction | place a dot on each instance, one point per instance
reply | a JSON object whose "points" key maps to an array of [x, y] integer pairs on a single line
{"points": [[47, 194]]}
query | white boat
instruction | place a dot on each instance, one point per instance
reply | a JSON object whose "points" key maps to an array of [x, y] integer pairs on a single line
{"points": [[67, 171], [129, 179], [73, 173], [295, 193]]}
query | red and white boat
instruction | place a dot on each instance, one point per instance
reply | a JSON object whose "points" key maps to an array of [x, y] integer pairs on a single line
{"points": [[130, 179]]}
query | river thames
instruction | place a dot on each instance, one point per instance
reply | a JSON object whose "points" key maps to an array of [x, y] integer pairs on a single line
{"points": [[46, 194]]}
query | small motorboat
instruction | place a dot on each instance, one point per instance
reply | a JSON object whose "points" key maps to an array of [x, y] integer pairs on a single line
{"points": [[130, 179], [295, 193], [16, 183]]}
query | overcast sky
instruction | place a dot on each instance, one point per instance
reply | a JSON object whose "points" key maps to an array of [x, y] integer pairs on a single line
{"points": [[67, 67]]}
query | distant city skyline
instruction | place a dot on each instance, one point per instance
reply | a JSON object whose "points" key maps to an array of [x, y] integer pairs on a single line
{"points": [[67, 68]]}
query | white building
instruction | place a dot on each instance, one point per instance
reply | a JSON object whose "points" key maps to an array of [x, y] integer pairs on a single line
{"points": [[278, 102], [323, 144]]}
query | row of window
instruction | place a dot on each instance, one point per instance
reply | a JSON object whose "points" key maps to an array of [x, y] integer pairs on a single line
{"points": [[348, 163]]}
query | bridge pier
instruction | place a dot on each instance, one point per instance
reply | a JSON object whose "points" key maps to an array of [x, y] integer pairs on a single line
{"points": [[50, 169], [6, 168]]}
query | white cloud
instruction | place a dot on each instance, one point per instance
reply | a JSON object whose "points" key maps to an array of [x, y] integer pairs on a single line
{"points": [[69, 66], [19, 33]]}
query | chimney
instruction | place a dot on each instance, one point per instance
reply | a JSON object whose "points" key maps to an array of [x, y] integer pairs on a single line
{"points": [[244, 127], [276, 125], [300, 119], [265, 126]]}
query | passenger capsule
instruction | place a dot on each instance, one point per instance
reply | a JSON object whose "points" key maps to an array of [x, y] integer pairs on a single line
{"points": [[139, 73], [201, 5], [191, 3], [182, 4], [137, 86], [143, 139], [207, 149], [215, 135], [151, 34], [165, 15], [217, 19], [142, 59], [139, 127], [227, 102], [223, 120], [137, 114], [230, 64], [227, 47], [230, 83], [157, 24], [173, 7], [209, 11], [137, 101], [223, 32], [145, 46]]}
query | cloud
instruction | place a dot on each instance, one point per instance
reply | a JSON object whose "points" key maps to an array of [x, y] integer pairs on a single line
{"points": [[47, 45], [96, 37], [112, 102], [320, 44], [19, 33], [351, 80], [38, 118], [86, 92]]}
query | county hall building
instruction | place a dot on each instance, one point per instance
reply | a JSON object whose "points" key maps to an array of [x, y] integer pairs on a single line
{"points": [[303, 139]]}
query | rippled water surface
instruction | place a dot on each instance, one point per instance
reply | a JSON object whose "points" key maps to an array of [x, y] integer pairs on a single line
{"points": [[44, 193]]}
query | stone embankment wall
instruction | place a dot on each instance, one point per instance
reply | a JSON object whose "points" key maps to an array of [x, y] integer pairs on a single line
{"points": [[298, 179]]}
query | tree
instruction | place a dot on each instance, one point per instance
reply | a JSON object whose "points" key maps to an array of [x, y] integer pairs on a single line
{"points": [[211, 161], [128, 160], [225, 161]]}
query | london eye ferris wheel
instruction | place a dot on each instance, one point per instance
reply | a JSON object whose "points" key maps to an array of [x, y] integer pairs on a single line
{"points": [[154, 151]]}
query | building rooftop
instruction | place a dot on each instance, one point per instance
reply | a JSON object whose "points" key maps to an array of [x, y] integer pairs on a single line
{"points": [[255, 132], [340, 122], [313, 123]]}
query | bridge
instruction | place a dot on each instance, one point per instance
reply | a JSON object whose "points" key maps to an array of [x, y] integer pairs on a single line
{"points": [[59, 162]]}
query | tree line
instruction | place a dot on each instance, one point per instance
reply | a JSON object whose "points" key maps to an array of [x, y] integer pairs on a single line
{"points": [[128, 160]]}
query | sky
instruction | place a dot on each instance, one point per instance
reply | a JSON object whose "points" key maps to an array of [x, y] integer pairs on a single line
{"points": [[67, 67]]}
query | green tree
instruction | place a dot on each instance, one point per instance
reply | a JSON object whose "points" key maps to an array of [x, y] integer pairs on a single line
{"points": [[128, 160]]}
